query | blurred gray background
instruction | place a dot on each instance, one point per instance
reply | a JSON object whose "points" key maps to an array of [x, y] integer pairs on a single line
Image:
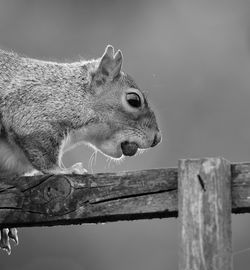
{"points": [[193, 58]]}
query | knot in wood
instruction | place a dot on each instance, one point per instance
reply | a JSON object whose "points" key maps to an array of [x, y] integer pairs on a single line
{"points": [[57, 189]]}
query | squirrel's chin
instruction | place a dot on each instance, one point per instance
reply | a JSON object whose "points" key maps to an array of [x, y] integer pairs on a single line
{"points": [[113, 153]]}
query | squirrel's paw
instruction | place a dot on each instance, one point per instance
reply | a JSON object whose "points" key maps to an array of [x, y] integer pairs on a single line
{"points": [[74, 169], [33, 173], [6, 235], [78, 168]]}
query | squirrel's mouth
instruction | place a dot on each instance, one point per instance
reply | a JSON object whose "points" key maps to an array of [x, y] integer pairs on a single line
{"points": [[129, 148], [125, 148]]}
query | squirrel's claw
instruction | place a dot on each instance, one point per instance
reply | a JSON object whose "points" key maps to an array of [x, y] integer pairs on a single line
{"points": [[5, 242], [13, 235]]}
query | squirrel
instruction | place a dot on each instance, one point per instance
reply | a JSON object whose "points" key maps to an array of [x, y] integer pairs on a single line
{"points": [[46, 108]]}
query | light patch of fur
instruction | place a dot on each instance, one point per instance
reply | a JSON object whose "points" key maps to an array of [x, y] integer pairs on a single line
{"points": [[69, 142], [12, 159]]}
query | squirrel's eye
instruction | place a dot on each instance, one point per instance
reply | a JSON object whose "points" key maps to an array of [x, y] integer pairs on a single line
{"points": [[133, 100]]}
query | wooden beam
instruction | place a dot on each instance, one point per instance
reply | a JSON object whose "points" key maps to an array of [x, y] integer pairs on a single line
{"points": [[204, 201], [74, 199]]}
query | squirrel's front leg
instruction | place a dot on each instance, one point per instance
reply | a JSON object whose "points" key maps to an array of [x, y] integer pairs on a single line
{"points": [[45, 160], [43, 152]]}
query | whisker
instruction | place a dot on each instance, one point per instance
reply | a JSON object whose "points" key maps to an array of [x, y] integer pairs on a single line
{"points": [[241, 251], [95, 156], [120, 160], [108, 160], [61, 164], [90, 163]]}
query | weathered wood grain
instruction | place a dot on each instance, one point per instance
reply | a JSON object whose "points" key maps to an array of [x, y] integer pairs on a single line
{"points": [[73, 199], [204, 203]]}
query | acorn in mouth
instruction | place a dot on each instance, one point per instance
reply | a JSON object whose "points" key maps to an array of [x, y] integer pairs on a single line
{"points": [[129, 148]]}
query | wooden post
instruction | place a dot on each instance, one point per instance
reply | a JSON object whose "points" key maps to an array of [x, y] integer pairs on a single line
{"points": [[204, 201]]}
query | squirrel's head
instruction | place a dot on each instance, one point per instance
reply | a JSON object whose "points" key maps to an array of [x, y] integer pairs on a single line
{"points": [[124, 121]]}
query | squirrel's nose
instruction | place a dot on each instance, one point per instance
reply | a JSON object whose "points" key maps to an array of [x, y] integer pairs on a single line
{"points": [[157, 139]]}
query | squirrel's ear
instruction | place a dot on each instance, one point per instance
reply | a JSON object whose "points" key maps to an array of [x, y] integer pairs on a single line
{"points": [[109, 51], [118, 60], [110, 64]]}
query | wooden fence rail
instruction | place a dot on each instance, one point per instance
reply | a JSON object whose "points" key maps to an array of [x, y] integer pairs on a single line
{"points": [[205, 191], [73, 199]]}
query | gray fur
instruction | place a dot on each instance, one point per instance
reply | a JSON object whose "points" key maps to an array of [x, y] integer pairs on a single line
{"points": [[41, 103], [46, 106]]}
